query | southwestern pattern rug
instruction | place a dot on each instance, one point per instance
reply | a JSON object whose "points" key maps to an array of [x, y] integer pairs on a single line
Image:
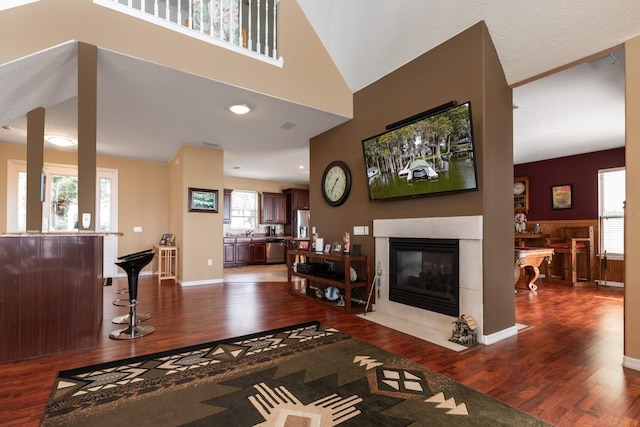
{"points": [[304, 375]]}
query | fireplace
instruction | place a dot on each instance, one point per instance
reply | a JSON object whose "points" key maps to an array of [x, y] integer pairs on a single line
{"points": [[426, 324], [424, 273]]}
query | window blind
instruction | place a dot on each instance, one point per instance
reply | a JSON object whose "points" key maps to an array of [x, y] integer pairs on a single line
{"points": [[611, 195]]}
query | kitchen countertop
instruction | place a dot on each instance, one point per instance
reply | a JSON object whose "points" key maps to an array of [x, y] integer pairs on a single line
{"points": [[60, 234]]}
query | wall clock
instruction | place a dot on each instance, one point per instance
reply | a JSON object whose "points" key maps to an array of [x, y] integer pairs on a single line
{"points": [[521, 194], [336, 183]]}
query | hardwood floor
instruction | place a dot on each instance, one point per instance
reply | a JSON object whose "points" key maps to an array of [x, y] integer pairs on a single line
{"points": [[565, 368]]}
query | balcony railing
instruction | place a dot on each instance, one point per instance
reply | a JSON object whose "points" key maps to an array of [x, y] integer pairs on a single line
{"points": [[247, 26]]}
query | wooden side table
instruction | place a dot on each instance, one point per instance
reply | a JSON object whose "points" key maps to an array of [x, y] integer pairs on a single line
{"points": [[166, 262]]}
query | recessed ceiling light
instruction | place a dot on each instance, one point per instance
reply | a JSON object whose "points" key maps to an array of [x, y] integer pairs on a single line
{"points": [[60, 141], [240, 108]]}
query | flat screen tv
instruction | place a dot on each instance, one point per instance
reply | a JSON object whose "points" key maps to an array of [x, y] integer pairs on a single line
{"points": [[431, 155]]}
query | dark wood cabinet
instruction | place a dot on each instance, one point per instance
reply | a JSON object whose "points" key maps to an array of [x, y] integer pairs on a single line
{"points": [[244, 251], [274, 208], [259, 252], [229, 252], [297, 199], [226, 206]]}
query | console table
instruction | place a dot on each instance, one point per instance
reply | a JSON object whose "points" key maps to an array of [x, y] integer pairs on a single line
{"points": [[316, 280]]}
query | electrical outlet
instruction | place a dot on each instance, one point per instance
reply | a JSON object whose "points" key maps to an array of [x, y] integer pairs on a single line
{"points": [[361, 230], [137, 229], [209, 262]]}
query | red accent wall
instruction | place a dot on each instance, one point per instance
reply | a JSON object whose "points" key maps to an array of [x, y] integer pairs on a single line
{"points": [[581, 171]]}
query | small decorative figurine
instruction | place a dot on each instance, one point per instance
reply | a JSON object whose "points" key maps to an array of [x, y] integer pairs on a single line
{"points": [[521, 222], [347, 243], [463, 331]]}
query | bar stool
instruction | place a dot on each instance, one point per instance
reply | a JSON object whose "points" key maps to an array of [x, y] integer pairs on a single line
{"points": [[132, 264], [140, 317]]}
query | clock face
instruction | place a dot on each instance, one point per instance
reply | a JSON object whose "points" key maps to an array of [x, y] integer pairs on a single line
{"points": [[518, 188], [336, 183]]}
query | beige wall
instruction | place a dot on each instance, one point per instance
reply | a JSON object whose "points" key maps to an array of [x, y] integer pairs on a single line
{"points": [[141, 196], [200, 232], [464, 68], [632, 224], [308, 76]]}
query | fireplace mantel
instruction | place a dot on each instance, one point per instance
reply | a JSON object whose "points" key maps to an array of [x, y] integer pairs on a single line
{"points": [[468, 230]]}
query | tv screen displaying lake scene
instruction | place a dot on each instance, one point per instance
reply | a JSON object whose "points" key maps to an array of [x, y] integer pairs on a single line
{"points": [[432, 155]]}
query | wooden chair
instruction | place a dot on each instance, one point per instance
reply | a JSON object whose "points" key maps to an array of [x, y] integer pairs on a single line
{"points": [[574, 241]]}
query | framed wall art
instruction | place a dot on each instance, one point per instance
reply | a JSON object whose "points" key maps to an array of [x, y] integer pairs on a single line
{"points": [[203, 200], [562, 196]]}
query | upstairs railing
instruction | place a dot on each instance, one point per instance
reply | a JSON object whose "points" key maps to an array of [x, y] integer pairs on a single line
{"points": [[250, 25]]}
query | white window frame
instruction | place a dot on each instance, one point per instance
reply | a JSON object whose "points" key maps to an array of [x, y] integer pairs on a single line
{"points": [[16, 166], [612, 214], [256, 215]]}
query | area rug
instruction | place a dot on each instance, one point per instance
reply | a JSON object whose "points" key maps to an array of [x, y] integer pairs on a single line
{"points": [[304, 375]]}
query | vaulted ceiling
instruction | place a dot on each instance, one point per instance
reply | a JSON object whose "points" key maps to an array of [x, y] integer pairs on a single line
{"points": [[580, 109]]}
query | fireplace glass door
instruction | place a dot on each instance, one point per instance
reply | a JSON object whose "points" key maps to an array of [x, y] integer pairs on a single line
{"points": [[424, 274]]}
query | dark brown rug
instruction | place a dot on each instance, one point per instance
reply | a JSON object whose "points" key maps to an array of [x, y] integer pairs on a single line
{"points": [[303, 375]]}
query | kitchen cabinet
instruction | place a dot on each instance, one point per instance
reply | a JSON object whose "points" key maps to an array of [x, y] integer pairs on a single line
{"points": [[229, 252], [353, 290], [274, 208], [244, 251], [297, 199], [226, 206]]}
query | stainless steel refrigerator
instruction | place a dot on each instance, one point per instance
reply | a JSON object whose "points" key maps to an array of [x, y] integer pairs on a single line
{"points": [[300, 226]]}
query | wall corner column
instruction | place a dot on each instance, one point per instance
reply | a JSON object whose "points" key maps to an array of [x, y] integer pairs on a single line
{"points": [[35, 160], [87, 124]]}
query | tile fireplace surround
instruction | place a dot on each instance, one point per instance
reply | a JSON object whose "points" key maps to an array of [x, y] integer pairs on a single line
{"points": [[428, 325]]}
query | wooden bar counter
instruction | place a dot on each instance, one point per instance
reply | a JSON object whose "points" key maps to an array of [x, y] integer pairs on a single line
{"points": [[50, 293]]}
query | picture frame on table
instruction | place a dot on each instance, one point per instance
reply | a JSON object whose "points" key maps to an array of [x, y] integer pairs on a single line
{"points": [[203, 200], [337, 247], [562, 196], [327, 248], [167, 239], [303, 245]]}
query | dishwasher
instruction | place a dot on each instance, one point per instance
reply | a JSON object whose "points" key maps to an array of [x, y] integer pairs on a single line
{"points": [[275, 251]]}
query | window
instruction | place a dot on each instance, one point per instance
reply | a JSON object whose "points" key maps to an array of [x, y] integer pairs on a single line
{"points": [[611, 197], [244, 211], [60, 207]]}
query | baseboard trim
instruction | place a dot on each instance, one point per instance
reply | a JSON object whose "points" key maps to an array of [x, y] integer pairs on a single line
{"points": [[611, 284], [631, 363], [500, 335], [200, 282]]}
